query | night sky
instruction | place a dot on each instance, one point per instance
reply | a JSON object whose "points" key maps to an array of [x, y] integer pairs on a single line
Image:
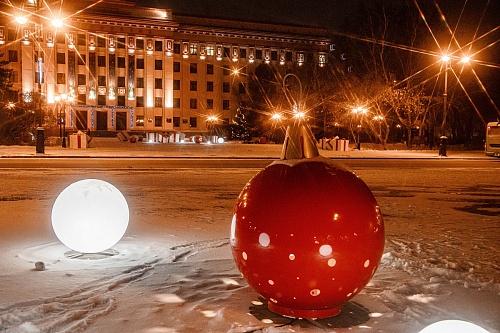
{"points": [[325, 13]]}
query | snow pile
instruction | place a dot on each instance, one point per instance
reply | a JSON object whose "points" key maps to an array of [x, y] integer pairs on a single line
{"points": [[436, 270]]}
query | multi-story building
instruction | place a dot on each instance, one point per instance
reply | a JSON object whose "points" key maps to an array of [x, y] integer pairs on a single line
{"points": [[128, 67]]}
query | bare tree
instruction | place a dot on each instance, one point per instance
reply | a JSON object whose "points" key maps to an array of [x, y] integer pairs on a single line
{"points": [[408, 106]]}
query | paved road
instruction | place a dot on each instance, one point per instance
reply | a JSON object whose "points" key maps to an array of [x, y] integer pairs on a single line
{"points": [[220, 163]]}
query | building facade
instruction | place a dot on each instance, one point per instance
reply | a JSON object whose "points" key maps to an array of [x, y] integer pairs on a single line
{"points": [[124, 67]]}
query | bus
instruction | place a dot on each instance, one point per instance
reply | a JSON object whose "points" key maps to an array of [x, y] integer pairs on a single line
{"points": [[492, 144]]}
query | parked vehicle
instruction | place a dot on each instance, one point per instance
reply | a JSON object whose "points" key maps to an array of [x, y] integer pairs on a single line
{"points": [[492, 144]]}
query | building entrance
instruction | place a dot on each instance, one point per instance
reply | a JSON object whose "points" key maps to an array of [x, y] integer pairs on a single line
{"points": [[102, 121], [121, 121], [81, 120]]}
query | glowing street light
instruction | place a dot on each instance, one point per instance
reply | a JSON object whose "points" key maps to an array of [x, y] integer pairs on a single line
{"points": [[277, 117], [57, 23], [359, 110], [21, 19], [299, 115], [447, 62]]}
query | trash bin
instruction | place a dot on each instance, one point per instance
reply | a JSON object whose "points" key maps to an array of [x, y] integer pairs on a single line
{"points": [[40, 140], [442, 145]]}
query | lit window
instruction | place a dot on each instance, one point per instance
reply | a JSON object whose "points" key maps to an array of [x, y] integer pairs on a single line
{"points": [[193, 49], [139, 121]]}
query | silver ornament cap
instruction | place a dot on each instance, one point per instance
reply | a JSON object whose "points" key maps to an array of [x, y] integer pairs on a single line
{"points": [[299, 142]]}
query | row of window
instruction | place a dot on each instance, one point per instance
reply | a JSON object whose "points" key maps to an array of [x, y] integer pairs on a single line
{"points": [[156, 45], [158, 102], [121, 63], [176, 121], [109, 43], [193, 85]]}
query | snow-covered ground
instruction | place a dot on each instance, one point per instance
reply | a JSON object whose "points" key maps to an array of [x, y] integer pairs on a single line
{"points": [[112, 147], [173, 271]]}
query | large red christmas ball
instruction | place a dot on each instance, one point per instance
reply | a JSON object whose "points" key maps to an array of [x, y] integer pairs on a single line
{"points": [[308, 235]]}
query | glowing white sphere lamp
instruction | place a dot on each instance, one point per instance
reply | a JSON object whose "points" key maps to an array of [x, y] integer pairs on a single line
{"points": [[90, 216], [458, 326]]}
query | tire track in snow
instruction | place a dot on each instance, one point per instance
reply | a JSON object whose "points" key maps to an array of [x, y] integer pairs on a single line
{"points": [[69, 312], [75, 311]]}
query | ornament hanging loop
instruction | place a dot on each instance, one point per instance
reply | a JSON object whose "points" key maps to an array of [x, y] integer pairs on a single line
{"points": [[295, 103]]}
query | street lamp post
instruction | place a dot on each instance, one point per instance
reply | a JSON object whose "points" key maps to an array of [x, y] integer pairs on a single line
{"points": [[40, 137], [59, 114], [61, 106], [63, 120], [359, 111], [65, 100], [443, 138], [211, 121], [357, 133], [446, 60], [276, 121]]}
